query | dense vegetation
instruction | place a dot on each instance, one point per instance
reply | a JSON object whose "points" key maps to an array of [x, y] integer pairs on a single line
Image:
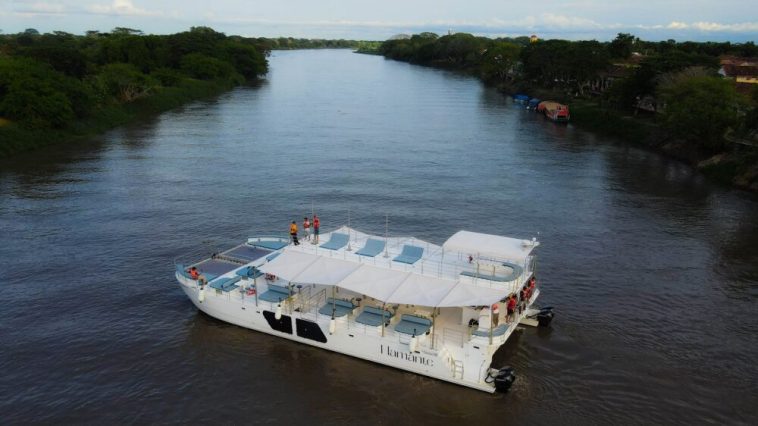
{"points": [[697, 110], [57, 86], [289, 43]]}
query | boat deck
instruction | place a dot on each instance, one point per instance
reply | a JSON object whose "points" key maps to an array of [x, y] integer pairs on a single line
{"points": [[431, 259]]}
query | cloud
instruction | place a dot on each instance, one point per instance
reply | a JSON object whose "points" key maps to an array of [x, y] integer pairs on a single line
{"points": [[713, 26], [30, 8], [121, 8], [675, 25]]}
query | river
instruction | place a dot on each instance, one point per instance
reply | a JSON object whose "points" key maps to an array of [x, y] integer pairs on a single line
{"points": [[652, 269]]}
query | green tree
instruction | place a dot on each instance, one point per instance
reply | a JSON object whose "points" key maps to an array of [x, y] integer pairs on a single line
{"points": [[499, 61], [125, 82], [205, 67], [36, 103], [701, 108], [621, 46]]}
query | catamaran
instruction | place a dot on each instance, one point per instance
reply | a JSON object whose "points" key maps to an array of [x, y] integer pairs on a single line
{"points": [[398, 301]]}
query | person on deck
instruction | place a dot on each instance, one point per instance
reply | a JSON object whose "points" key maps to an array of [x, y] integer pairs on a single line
{"points": [[307, 228], [293, 233], [194, 274], [495, 314], [511, 307], [316, 225]]}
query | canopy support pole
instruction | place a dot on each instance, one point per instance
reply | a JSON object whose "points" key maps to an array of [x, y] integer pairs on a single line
{"points": [[255, 287], [383, 320], [434, 329], [492, 323]]}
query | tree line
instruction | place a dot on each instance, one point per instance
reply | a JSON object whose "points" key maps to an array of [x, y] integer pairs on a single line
{"points": [[51, 80], [697, 104]]}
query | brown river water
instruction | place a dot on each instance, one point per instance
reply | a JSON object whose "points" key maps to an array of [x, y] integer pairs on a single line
{"points": [[653, 271]]}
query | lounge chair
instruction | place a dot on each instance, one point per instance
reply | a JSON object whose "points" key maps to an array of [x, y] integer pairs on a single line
{"points": [[410, 254], [225, 283], [373, 316], [336, 242], [249, 272], [372, 248], [339, 306], [411, 324], [275, 294]]}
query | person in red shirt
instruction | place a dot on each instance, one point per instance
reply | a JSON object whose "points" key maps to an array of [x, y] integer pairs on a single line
{"points": [[307, 228], [511, 307], [316, 226]]}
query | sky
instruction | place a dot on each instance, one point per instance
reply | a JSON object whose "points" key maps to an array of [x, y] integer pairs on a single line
{"points": [[681, 20]]}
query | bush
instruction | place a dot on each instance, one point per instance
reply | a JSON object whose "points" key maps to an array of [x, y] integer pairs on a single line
{"points": [[168, 77], [36, 103], [204, 67]]}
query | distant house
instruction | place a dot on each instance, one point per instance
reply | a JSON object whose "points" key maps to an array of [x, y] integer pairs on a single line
{"points": [[744, 71], [533, 38]]}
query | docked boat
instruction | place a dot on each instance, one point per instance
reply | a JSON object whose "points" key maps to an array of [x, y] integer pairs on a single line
{"points": [[520, 98], [435, 310], [554, 111]]}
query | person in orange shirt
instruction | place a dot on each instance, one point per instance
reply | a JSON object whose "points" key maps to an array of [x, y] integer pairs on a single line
{"points": [[194, 274], [293, 233]]}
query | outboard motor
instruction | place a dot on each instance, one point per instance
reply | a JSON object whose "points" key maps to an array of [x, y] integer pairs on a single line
{"points": [[545, 316], [503, 378]]}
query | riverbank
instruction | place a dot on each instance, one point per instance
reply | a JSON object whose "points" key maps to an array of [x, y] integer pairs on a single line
{"points": [[59, 87], [16, 138], [701, 107], [738, 166]]}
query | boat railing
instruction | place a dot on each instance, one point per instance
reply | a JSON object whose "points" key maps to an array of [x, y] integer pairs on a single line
{"points": [[311, 303], [271, 237], [453, 337]]}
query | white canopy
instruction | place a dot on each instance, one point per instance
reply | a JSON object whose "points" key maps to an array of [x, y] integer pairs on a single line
{"points": [[421, 290], [387, 285], [378, 283], [470, 295], [326, 271], [289, 264], [503, 248]]}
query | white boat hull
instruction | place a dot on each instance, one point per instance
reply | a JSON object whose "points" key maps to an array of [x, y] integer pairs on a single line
{"points": [[357, 341]]}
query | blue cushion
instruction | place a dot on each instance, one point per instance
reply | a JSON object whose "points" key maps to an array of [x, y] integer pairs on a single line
{"points": [[225, 283], [275, 293], [410, 254], [372, 248], [249, 271], [336, 242], [373, 316], [410, 324], [497, 331], [340, 307]]}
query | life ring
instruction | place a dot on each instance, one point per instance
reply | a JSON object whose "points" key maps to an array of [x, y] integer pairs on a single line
{"points": [[251, 292]]}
